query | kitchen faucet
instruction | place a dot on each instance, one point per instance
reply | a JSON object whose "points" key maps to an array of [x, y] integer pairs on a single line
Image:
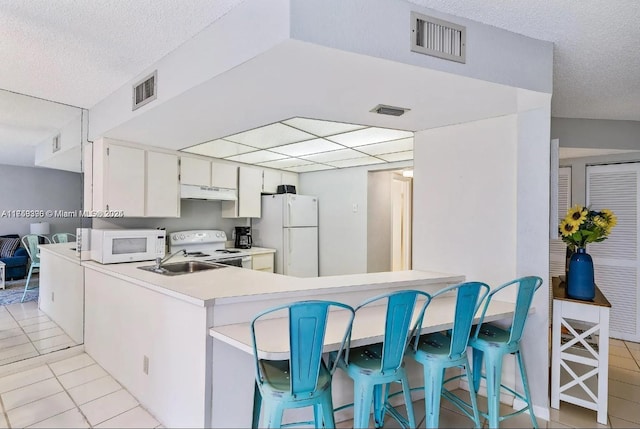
{"points": [[160, 261]]}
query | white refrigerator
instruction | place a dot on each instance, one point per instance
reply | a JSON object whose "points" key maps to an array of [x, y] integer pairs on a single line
{"points": [[289, 224]]}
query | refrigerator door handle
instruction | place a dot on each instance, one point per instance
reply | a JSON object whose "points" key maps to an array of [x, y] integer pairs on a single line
{"points": [[289, 221], [290, 249]]}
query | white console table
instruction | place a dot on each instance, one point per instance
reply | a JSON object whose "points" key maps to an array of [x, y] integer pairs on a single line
{"points": [[580, 351]]}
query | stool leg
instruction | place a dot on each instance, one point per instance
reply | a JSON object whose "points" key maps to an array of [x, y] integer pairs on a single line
{"points": [[477, 368], [362, 404], [493, 367], [257, 404], [327, 410], [406, 391], [379, 400], [472, 394], [433, 378], [273, 414], [26, 286], [525, 385]]}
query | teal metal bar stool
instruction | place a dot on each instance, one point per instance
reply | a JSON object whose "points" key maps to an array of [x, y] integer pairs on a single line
{"points": [[31, 243], [63, 237], [492, 343], [439, 351], [304, 380], [373, 367]]}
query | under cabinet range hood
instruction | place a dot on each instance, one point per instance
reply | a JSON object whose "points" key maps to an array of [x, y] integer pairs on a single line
{"points": [[194, 192]]}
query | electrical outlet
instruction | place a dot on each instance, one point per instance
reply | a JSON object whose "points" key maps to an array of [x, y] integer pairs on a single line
{"points": [[145, 365], [355, 207], [51, 296]]}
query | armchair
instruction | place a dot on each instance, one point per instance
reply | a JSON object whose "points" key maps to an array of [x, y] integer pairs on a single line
{"points": [[16, 265]]}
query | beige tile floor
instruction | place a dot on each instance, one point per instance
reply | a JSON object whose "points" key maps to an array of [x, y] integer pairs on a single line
{"points": [[27, 332], [624, 401], [71, 393], [78, 393]]}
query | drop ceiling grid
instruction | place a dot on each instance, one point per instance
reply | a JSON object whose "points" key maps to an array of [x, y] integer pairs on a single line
{"points": [[381, 145]]}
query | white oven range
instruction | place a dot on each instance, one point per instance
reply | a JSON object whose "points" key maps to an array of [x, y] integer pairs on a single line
{"points": [[208, 244]]}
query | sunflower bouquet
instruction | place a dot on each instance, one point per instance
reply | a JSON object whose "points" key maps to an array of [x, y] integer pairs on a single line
{"points": [[582, 226]]}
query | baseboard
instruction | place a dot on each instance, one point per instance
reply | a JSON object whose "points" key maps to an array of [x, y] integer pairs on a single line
{"points": [[15, 367], [540, 411]]}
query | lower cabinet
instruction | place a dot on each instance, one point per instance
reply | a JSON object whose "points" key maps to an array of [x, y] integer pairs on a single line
{"points": [[263, 262]]}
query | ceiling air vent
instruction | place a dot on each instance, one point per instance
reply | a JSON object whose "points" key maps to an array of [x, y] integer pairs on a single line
{"points": [[145, 91], [438, 38], [383, 109]]}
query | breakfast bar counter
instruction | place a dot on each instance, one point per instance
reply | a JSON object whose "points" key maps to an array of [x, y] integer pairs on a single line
{"points": [[151, 331]]}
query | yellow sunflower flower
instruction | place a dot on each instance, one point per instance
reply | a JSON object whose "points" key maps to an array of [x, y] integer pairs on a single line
{"points": [[567, 227], [612, 220], [601, 222], [577, 215]]}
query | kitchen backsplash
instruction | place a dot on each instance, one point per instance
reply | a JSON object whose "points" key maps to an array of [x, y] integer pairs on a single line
{"points": [[194, 214]]}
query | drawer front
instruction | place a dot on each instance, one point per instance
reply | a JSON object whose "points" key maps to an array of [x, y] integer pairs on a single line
{"points": [[263, 262]]}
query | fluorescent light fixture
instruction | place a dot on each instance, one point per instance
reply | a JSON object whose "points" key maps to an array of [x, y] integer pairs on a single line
{"points": [[397, 156], [285, 163], [220, 149], [308, 147], [407, 173], [369, 136], [309, 168], [335, 155], [256, 157], [388, 147], [270, 136], [321, 128], [367, 160], [383, 109]]}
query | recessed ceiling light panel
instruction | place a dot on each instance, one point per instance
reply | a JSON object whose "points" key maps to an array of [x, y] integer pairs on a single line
{"points": [[309, 168], [388, 147], [367, 160], [321, 128], [308, 147], [335, 155], [397, 156], [369, 136], [285, 163], [256, 157], [219, 149], [270, 136]]}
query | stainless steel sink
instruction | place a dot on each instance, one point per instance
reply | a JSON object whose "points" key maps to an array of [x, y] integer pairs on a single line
{"points": [[178, 268]]}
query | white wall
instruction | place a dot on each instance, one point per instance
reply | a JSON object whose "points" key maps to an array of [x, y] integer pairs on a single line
{"points": [[379, 232], [342, 231], [481, 207], [31, 188], [194, 214]]}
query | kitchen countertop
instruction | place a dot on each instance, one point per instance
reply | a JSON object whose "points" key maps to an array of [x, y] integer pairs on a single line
{"points": [[63, 250], [255, 250], [233, 284]]}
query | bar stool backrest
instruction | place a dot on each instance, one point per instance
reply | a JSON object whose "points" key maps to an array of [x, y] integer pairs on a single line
{"points": [[527, 286], [399, 315], [469, 297], [307, 327]]}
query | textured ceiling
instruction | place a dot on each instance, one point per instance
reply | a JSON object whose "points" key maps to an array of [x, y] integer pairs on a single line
{"points": [[78, 51], [596, 54]]}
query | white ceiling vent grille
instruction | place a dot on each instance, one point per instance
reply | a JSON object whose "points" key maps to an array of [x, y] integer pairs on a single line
{"points": [[145, 91], [438, 38]]}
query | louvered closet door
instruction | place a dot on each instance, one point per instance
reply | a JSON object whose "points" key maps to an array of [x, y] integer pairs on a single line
{"points": [[557, 248], [616, 259]]}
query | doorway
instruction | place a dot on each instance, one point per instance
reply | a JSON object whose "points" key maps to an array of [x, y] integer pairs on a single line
{"points": [[389, 221]]}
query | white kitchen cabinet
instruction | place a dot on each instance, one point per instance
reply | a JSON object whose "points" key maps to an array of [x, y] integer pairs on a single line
{"points": [[249, 195], [271, 179], [162, 190], [224, 175], [133, 180], [195, 171], [123, 180], [262, 262]]}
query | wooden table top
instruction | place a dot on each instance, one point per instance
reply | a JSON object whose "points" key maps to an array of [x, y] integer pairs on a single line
{"points": [[560, 292]]}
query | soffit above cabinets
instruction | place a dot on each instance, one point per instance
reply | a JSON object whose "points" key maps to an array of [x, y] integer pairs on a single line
{"points": [[304, 145]]}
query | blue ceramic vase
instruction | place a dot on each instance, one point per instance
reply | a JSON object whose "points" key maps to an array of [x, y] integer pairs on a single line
{"points": [[581, 284]]}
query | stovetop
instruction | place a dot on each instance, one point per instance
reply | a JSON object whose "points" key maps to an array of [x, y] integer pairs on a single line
{"points": [[205, 243]]}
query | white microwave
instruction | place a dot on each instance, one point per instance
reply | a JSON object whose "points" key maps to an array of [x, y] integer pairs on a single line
{"points": [[112, 246]]}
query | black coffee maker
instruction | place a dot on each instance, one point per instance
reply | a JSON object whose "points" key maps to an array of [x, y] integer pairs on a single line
{"points": [[243, 237]]}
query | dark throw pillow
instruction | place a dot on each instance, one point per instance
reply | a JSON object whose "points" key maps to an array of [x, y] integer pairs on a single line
{"points": [[8, 246]]}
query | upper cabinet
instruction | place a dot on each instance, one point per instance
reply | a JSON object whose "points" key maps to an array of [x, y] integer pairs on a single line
{"points": [[132, 180], [249, 195], [271, 179], [204, 172], [195, 171]]}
